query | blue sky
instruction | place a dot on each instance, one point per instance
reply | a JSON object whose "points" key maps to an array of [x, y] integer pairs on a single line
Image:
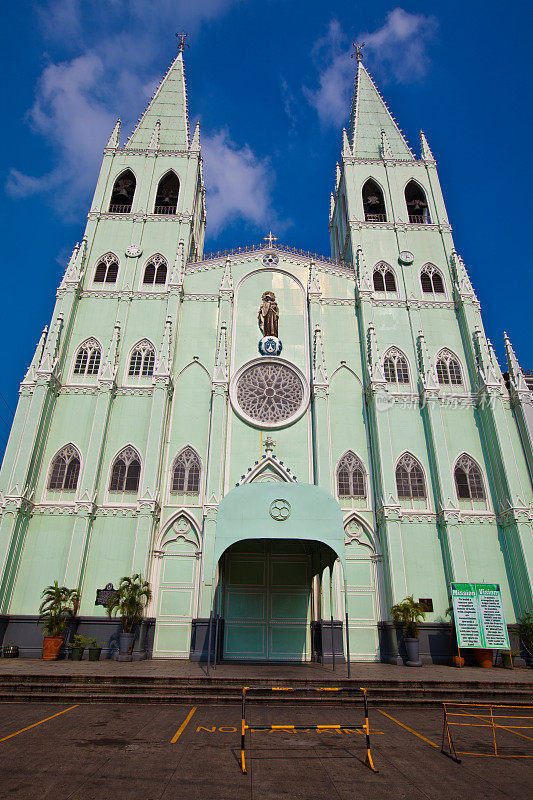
{"points": [[270, 81]]}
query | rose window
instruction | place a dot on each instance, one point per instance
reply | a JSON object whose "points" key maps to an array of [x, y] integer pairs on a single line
{"points": [[269, 393]]}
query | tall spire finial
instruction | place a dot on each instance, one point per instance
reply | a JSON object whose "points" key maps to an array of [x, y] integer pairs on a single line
{"points": [[358, 51], [270, 239], [182, 43]]}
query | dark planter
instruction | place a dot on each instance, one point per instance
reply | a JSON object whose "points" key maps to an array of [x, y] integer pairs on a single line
{"points": [[413, 652], [94, 653], [77, 653], [125, 646], [507, 661], [10, 651]]}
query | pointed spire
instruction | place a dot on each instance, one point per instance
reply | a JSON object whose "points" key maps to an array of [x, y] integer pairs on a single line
{"points": [[320, 375], [74, 271], [374, 358], [226, 284], [37, 356], [516, 376], [109, 368], [346, 149], [220, 374], [425, 149], [168, 105], [496, 373], [154, 141], [178, 270], [364, 283], [195, 144], [114, 139], [313, 282], [487, 370], [369, 117], [337, 176], [331, 206], [51, 349], [427, 368], [463, 284], [162, 364]]}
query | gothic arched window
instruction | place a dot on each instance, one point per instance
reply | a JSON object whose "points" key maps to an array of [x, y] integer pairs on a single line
{"points": [[107, 269], [410, 482], [417, 205], [468, 479], [166, 199], [373, 202], [384, 280], [122, 194], [142, 360], [186, 471], [126, 471], [351, 476], [65, 469], [155, 271], [448, 369], [431, 280], [395, 366], [88, 358]]}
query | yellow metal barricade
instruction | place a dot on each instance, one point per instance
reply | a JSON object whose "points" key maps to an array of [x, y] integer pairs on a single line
{"points": [[244, 727], [501, 719]]}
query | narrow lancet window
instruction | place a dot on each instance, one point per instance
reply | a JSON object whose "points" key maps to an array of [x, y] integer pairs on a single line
{"points": [[410, 482], [417, 205], [88, 359], [395, 366], [186, 472], [123, 191], [142, 360], [107, 269], [166, 199], [155, 271], [65, 469], [373, 202], [448, 369], [384, 280], [468, 480], [431, 280], [126, 471], [351, 476]]}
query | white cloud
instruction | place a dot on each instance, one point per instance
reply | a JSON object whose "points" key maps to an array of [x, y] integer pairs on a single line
{"points": [[113, 72], [397, 51], [238, 184]]}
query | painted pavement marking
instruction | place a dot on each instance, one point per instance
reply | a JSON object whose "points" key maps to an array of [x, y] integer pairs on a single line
{"points": [[38, 723], [287, 729], [407, 728], [183, 725]]}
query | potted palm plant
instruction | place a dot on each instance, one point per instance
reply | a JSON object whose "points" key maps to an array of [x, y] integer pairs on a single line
{"points": [[410, 614], [128, 602], [525, 632], [59, 605]]}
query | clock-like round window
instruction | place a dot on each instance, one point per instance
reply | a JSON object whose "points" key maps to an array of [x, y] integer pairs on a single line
{"points": [[269, 393]]}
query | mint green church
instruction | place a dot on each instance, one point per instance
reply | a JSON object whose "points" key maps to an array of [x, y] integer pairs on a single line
{"points": [[284, 444]]}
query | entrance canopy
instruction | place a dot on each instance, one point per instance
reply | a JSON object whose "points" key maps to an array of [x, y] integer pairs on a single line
{"points": [[279, 511]]}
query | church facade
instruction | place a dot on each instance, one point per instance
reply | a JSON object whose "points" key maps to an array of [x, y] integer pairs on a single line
{"points": [[282, 443]]}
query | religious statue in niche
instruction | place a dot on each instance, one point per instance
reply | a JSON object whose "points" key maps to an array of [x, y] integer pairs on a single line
{"points": [[268, 314]]}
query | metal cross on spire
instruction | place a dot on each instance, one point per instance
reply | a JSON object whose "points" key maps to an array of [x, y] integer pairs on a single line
{"points": [[270, 239], [182, 43], [358, 50]]}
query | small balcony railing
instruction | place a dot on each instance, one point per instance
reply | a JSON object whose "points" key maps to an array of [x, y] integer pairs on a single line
{"points": [[375, 217], [418, 219], [115, 208], [164, 210]]}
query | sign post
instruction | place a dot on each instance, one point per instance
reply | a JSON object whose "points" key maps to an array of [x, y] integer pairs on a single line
{"points": [[479, 616]]}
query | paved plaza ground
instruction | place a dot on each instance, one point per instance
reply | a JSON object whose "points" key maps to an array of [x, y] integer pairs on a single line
{"points": [[110, 752]]}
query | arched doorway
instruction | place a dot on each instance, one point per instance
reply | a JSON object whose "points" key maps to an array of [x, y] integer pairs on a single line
{"points": [[363, 564]]}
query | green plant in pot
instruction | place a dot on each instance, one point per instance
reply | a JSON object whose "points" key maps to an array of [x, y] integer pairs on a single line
{"points": [[525, 632], [77, 646], [59, 605], [95, 648], [410, 614], [129, 602]]}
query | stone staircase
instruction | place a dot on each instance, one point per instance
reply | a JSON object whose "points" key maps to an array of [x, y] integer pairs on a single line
{"points": [[218, 690]]}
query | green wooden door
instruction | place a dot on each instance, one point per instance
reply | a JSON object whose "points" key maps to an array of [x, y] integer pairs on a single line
{"points": [[267, 590]]}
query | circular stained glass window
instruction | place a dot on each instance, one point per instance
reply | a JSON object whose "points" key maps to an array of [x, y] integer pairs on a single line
{"points": [[270, 393]]}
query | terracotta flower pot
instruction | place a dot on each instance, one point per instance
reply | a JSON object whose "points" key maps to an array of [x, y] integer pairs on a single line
{"points": [[458, 661], [51, 647], [484, 658]]}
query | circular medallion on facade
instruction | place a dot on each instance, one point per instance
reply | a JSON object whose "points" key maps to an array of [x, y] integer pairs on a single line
{"points": [[280, 510], [270, 260], [269, 394], [406, 257], [133, 251], [270, 346]]}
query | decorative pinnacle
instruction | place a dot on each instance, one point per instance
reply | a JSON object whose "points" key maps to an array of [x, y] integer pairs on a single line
{"points": [[182, 43], [358, 51], [270, 239]]}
